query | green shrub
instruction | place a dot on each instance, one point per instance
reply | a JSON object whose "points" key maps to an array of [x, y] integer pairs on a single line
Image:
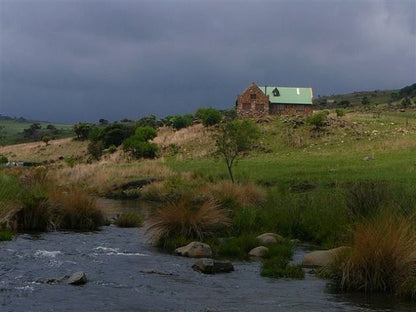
{"points": [[129, 220], [3, 159], [365, 199], [245, 220], [148, 121], [236, 247], [340, 112], [180, 122], [139, 144], [320, 216], [96, 149], [276, 262], [35, 214], [278, 268], [208, 116], [140, 149], [318, 121], [70, 161], [5, 235]]}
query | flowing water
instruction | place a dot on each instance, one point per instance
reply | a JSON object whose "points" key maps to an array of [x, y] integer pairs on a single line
{"points": [[126, 274]]}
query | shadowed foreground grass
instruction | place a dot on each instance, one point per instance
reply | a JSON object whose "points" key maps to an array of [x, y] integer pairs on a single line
{"points": [[382, 257]]}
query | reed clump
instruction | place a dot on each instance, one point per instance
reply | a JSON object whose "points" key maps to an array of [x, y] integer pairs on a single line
{"points": [[227, 193], [188, 218], [76, 210], [382, 257]]}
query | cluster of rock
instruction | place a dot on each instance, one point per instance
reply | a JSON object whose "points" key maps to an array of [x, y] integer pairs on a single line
{"points": [[206, 264], [266, 239]]}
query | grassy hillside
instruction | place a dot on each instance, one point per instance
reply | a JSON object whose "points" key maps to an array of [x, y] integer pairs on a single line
{"points": [[12, 130]]}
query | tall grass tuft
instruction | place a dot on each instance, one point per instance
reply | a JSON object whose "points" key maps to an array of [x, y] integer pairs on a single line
{"points": [[227, 193], [75, 210], [382, 258], [187, 218], [35, 213], [366, 199]]}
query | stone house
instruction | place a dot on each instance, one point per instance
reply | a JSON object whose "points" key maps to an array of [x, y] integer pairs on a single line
{"points": [[258, 101]]}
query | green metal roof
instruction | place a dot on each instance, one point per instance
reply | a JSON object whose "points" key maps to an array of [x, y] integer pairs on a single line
{"points": [[288, 95]]}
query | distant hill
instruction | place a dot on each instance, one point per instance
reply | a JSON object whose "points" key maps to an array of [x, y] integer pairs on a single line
{"points": [[367, 98], [21, 130]]}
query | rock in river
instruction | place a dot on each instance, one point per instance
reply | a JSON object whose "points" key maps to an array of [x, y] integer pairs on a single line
{"points": [[78, 278], [210, 266], [268, 239], [258, 252], [321, 258], [195, 250]]}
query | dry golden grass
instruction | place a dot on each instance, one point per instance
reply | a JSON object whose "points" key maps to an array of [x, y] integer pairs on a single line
{"points": [[383, 256], [244, 194], [38, 151], [75, 210], [187, 218], [193, 142], [104, 176]]}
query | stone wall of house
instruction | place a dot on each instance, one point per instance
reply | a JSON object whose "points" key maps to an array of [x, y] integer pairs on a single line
{"points": [[253, 103], [292, 109]]}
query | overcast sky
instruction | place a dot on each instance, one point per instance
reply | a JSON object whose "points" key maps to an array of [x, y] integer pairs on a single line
{"points": [[75, 60]]}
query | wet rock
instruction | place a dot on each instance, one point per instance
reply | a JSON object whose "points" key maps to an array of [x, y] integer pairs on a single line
{"points": [[195, 250], [78, 278], [321, 258], [258, 252], [210, 266], [268, 239], [52, 280]]}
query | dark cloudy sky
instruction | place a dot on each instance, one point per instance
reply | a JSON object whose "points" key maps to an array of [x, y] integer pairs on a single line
{"points": [[76, 60]]}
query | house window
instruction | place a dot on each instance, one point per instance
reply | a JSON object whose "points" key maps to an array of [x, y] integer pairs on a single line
{"points": [[246, 106], [253, 96], [280, 107], [259, 107]]}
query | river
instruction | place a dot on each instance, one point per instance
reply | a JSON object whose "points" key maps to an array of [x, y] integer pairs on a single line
{"points": [[126, 273]]}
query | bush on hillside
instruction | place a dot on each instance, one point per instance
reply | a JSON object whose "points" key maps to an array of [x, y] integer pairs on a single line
{"points": [[3, 159], [139, 144], [148, 121], [208, 116], [318, 121], [82, 130], [340, 112]]}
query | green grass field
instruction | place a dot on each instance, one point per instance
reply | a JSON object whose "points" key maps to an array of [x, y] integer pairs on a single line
{"points": [[11, 131], [336, 156]]}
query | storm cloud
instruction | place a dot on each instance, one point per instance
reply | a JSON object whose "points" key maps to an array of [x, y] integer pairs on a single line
{"points": [[76, 60]]}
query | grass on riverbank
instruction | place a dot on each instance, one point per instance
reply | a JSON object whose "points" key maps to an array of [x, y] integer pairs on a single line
{"points": [[382, 257]]}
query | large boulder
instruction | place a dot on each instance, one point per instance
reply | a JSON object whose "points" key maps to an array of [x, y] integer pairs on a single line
{"points": [[195, 250], [268, 239], [210, 266], [258, 252], [321, 258], [78, 278]]}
